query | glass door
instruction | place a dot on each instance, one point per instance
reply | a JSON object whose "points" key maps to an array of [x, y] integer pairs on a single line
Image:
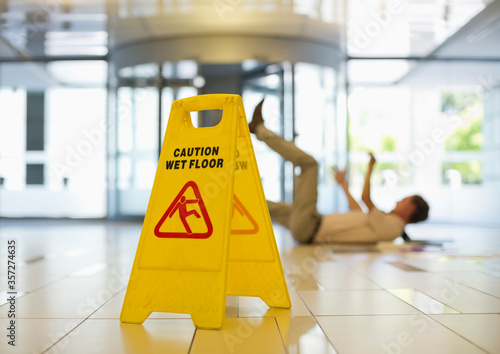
{"points": [[143, 100], [53, 139], [268, 84]]}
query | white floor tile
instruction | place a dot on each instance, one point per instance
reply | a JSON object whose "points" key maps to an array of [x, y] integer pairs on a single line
{"points": [[303, 281], [350, 301], [303, 335], [332, 276], [408, 280], [354, 302], [482, 330], [240, 335], [477, 280], [493, 290], [36, 335], [29, 283], [110, 336], [465, 300], [393, 334], [255, 307], [422, 302], [98, 283], [78, 303]]}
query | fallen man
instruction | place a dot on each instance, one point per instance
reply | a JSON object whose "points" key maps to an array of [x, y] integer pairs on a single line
{"points": [[304, 221]]}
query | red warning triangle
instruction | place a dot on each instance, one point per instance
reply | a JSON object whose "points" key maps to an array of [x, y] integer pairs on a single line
{"points": [[247, 225], [192, 214]]}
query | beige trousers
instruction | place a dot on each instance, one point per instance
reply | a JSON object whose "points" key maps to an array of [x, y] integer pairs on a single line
{"points": [[301, 217]]}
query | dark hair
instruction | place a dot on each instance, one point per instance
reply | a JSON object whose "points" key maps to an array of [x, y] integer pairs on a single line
{"points": [[421, 209]]}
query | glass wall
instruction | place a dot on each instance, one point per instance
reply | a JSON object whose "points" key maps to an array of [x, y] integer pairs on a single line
{"points": [[300, 106], [299, 98], [271, 167], [317, 125], [53, 139], [433, 134], [140, 106]]}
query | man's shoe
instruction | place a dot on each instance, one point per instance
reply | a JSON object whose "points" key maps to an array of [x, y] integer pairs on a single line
{"points": [[257, 118]]}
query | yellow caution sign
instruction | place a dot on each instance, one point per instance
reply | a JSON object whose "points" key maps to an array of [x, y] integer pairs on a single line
{"points": [[207, 231]]}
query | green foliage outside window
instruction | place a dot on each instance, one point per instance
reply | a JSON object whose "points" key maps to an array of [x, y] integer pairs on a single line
{"points": [[387, 143], [471, 171], [468, 106], [467, 137], [379, 176]]}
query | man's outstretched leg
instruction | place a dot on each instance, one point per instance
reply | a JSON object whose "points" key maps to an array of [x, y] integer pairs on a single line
{"points": [[304, 218]]}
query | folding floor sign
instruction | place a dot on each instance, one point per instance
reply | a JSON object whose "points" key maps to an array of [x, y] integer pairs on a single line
{"points": [[207, 231]]}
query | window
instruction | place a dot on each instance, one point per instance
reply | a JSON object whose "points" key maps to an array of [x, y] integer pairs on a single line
{"points": [[462, 160]]}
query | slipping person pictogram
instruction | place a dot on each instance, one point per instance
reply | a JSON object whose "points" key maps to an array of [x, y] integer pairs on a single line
{"points": [[244, 223], [184, 213], [179, 208]]}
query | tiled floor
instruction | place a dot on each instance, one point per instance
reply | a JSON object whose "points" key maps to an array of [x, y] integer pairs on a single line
{"points": [[71, 279]]}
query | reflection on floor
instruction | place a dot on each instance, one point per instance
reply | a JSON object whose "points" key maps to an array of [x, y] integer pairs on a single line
{"points": [[390, 298]]}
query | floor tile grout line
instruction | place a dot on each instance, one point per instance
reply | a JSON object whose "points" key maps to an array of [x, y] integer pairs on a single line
{"points": [[371, 316], [304, 302], [431, 297], [438, 300], [39, 288], [192, 340], [324, 333], [316, 320], [341, 289], [78, 325], [111, 298], [385, 290], [466, 314], [281, 335], [422, 312], [365, 277], [432, 319], [458, 334], [484, 271], [463, 285], [484, 292], [60, 339], [66, 276]]}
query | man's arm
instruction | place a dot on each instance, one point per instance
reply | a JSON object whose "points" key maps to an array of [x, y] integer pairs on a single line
{"points": [[366, 188], [340, 178]]}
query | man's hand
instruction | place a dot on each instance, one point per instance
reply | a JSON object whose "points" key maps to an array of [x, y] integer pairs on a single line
{"points": [[340, 178], [372, 160], [367, 186], [339, 175]]}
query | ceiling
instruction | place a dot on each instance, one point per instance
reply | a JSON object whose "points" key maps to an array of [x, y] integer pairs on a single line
{"points": [[40, 30], [46, 28], [475, 48]]}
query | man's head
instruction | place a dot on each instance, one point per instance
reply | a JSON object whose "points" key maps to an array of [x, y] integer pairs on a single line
{"points": [[412, 209]]}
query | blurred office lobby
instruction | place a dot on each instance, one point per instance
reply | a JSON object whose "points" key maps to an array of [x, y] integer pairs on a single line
{"points": [[86, 88]]}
